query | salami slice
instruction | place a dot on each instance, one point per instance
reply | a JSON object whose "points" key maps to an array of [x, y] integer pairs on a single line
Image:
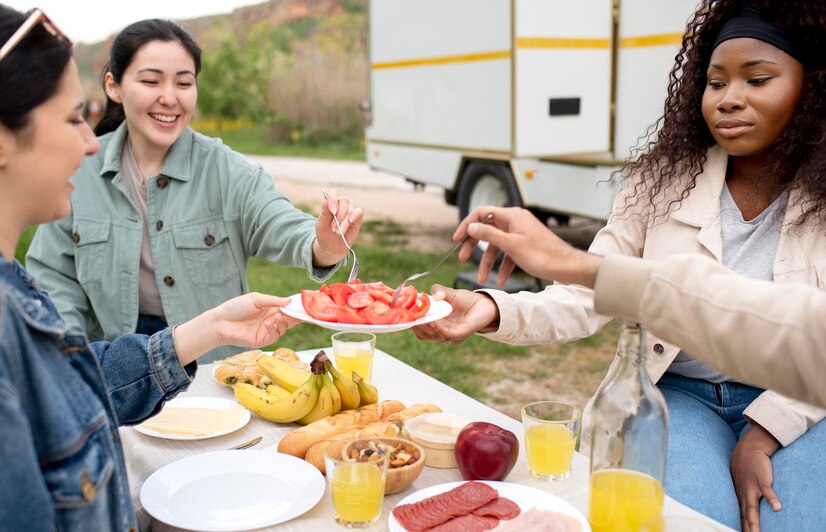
{"points": [[435, 510], [501, 508], [467, 523]]}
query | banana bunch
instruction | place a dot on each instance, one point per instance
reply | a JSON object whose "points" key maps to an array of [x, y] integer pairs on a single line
{"points": [[303, 396]]}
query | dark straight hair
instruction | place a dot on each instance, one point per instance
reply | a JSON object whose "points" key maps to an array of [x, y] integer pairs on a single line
{"points": [[31, 73], [125, 46]]}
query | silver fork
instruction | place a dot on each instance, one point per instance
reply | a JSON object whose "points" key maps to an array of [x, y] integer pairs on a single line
{"points": [[415, 276], [354, 271]]}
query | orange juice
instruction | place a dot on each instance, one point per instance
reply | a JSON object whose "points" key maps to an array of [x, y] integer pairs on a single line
{"points": [[358, 360], [622, 500], [358, 491], [550, 449]]}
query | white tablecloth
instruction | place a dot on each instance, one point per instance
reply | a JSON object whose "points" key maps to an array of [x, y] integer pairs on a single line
{"points": [[394, 380]]}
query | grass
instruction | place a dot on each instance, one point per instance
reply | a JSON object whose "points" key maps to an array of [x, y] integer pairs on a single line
{"points": [[253, 140]]}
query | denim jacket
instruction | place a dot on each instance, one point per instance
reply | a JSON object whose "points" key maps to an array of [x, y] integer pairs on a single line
{"points": [[61, 401], [209, 210]]}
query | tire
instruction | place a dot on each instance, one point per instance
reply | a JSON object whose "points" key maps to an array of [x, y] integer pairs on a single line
{"points": [[486, 184]]}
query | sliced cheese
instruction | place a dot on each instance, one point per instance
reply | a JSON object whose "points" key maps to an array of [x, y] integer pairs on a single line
{"points": [[194, 421]]}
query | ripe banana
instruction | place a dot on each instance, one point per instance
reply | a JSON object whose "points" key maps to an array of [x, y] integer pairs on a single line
{"points": [[282, 373], [276, 390], [328, 403], [281, 409], [368, 393], [347, 389]]}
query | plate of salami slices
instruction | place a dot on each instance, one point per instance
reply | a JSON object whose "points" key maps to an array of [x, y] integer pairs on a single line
{"points": [[481, 505]]}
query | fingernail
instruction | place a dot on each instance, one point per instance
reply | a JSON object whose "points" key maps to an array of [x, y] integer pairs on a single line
{"points": [[333, 207], [472, 228]]}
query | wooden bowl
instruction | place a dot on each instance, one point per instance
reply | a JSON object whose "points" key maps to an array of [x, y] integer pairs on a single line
{"points": [[398, 477]]}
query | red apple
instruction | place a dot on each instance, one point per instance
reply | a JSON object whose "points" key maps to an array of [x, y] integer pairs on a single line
{"points": [[485, 451]]}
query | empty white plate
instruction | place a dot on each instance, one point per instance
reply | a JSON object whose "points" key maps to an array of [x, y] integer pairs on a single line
{"points": [[232, 490]]}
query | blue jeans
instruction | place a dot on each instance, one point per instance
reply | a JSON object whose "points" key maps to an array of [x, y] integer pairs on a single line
{"points": [[706, 421]]}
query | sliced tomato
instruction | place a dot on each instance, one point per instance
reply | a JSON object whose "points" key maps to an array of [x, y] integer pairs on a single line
{"points": [[379, 313], [378, 285], [381, 295], [420, 308], [340, 292], [354, 281], [324, 289], [318, 305], [348, 315], [359, 300], [407, 297]]}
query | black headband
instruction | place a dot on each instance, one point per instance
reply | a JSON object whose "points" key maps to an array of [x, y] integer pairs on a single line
{"points": [[749, 24]]}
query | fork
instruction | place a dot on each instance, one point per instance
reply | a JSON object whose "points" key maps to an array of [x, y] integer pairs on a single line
{"points": [[415, 276], [354, 272], [246, 445]]}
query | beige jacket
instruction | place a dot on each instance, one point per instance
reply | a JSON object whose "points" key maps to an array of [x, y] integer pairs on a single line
{"points": [[563, 313], [685, 299]]}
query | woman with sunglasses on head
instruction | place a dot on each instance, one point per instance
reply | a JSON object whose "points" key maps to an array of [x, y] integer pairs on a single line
{"points": [[736, 171], [62, 398], [165, 219]]}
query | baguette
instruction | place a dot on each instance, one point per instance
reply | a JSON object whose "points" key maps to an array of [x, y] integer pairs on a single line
{"points": [[298, 441], [377, 429]]}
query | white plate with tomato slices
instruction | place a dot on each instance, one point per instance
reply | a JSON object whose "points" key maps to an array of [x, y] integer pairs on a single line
{"points": [[356, 307]]}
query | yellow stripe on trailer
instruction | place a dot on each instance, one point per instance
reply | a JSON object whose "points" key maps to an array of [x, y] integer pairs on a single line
{"points": [[464, 58], [562, 42], [640, 41], [665, 39]]}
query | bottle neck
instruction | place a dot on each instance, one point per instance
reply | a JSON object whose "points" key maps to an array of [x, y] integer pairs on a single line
{"points": [[632, 346]]}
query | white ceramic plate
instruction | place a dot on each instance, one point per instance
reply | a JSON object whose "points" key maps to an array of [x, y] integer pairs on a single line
{"points": [[200, 402], [437, 311], [525, 496], [232, 490]]}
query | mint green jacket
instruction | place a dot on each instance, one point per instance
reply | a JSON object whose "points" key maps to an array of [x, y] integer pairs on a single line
{"points": [[210, 210]]}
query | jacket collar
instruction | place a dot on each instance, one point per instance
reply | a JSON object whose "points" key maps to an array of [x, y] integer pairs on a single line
{"points": [[702, 206], [176, 166]]}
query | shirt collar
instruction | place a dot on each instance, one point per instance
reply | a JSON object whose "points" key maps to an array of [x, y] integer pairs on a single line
{"points": [[178, 160]]}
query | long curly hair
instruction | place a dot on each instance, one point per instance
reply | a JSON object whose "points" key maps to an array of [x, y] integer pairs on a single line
{"points": [[674, 148]]}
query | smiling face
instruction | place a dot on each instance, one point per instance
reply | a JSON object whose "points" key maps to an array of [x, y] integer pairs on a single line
{"points": [[158, 93], [751, 94], [37, 164]]}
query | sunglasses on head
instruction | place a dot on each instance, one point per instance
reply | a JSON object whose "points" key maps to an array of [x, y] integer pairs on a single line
{"points": [[37, 16]]}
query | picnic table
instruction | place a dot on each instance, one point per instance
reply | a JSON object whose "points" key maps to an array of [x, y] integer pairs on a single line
{"points": [[394, 380]]}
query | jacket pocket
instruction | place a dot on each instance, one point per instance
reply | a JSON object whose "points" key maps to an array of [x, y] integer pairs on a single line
{"points": [[79, 480], [90, 239], [206, 252]]}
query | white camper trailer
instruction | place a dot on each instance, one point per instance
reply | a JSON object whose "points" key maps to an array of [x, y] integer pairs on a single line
{"points": [[518, 102]]}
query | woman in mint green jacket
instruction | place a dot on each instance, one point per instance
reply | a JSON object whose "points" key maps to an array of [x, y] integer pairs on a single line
{"points": [[163, 218]]}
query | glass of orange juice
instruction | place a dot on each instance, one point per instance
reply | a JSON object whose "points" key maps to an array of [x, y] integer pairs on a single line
{"points": [[551, 432], [357, 487], [353, 351], [680, 523]]}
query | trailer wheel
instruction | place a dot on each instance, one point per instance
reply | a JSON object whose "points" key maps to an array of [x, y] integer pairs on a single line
{"points": [[486, 184]]}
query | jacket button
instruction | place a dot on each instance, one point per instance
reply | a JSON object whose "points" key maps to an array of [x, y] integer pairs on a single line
{"points": [[659, 349], [75, 238], [162, 182], [159, 225], [169, 280], [209, 240], [87, 489]]}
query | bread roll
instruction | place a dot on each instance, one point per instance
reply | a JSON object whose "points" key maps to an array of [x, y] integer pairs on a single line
{"points": [[298, 441], [377, 429], [413, 411]]}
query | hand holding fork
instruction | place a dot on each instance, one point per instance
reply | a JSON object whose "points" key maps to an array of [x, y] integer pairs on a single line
{"points": [[354, 271]]}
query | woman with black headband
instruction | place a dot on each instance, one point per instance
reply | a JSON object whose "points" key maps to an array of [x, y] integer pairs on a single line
{"points": [[61, 398], [736, 171]]}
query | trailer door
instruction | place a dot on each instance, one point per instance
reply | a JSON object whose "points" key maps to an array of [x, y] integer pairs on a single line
{"points": [[562, 76]]}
